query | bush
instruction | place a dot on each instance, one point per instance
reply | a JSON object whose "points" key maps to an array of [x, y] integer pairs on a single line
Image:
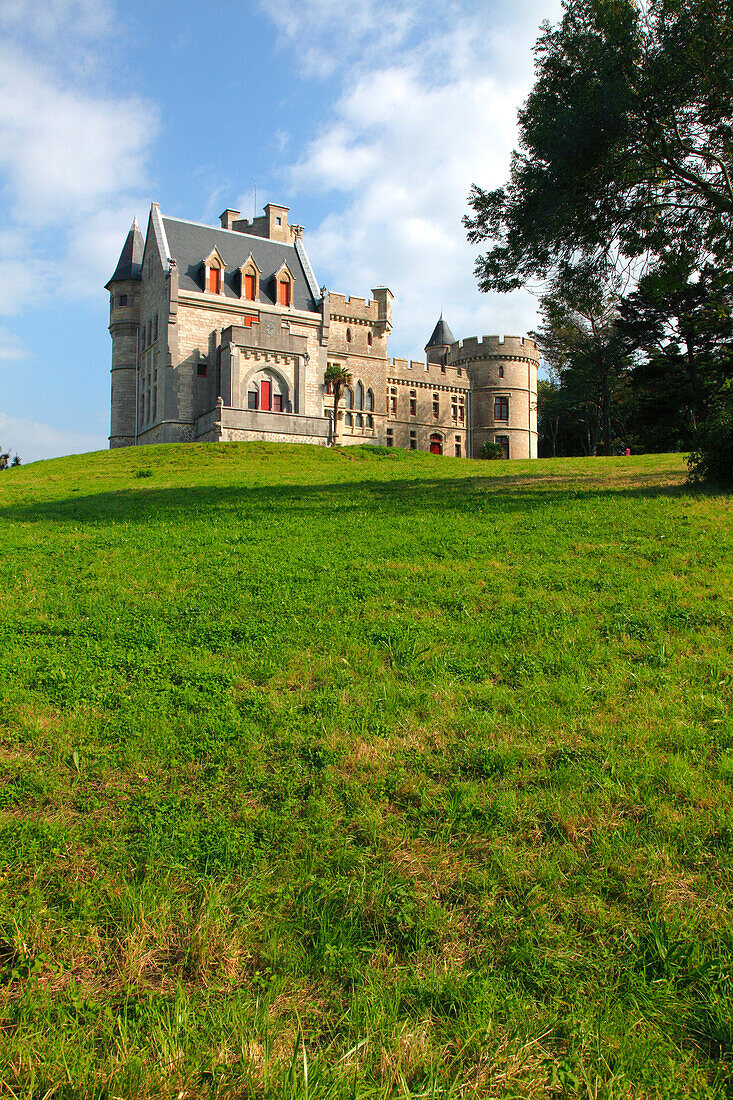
{"points": [[712, 459], [491, 450]]}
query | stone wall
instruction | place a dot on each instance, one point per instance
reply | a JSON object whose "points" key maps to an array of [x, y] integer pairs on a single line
{"points": [[416, 384], [501, 368], [123, 327]]}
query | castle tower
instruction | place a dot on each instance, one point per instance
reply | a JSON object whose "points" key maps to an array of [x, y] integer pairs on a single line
{"points": [[124, 321], [503, 393], [439, 343]]}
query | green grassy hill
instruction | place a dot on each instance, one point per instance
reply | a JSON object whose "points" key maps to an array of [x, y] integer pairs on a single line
{"points": [[348, 774]]}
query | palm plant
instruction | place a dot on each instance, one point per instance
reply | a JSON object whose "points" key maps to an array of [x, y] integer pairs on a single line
{"points": [[338, 378]]}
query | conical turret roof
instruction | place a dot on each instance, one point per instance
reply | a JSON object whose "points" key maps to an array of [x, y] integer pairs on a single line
{"points": [[129, 265], [442, 335]]}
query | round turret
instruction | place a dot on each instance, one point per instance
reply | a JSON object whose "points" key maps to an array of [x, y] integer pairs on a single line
{"points": [[503, 392], [124, 323]]}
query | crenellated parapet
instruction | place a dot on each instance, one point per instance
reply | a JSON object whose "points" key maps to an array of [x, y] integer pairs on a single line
{"points": [[523, 348], [413, 372]]}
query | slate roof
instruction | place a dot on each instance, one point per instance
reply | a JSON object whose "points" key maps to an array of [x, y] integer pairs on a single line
{"points": [[129, 265], [442, 335], [190, 243]]}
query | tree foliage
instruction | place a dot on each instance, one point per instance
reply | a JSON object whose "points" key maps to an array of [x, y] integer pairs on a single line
{"points": [[626, 142], [339, 379], [586, 352]]}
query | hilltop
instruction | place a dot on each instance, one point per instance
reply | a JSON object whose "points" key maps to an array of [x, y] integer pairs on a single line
{"points": [[361, 773]]}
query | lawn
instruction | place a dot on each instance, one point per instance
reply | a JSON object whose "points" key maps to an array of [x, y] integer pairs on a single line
{"points": [[355, 774]]}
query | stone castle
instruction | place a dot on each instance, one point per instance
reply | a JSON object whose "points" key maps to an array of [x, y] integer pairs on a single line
{"points": [[223, 334]]}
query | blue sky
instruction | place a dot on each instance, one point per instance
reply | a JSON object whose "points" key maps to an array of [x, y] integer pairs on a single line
{"points": [[370, 120]]}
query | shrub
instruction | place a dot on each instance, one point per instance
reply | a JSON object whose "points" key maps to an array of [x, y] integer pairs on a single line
{"points": [[712, 459], [491, 450]]}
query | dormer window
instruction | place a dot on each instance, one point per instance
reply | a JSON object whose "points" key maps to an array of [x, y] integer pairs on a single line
{"points": [[250, 280], [284, 284], [348, 336], [369, 339], [214, 272]]}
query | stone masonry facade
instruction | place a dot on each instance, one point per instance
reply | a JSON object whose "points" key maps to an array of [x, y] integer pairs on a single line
{"points": [[223, 334]]}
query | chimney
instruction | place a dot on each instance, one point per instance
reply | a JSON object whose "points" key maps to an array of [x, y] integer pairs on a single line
{"points": [[228, 218]]}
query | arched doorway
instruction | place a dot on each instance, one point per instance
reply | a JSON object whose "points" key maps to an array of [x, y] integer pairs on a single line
{"points": [[436, 443]]}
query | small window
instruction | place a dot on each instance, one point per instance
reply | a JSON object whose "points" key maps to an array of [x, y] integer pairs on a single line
{"points": [[436, 406], [348, 336], [279, 221], [369, 421], [253, 399], [413, 403], [458, 448], [392, 405], [369, 403], [390, 437], [249, 287], [150, 332], [359, 396], [413, 441], [501, 372], [328, 387], [123, 299], [214, 280], [503, 441], [349, 420], [277, 403], [454, 412], [501, 408], [201, 369], [359, 420], [369, 339], [283, 292], [459, 372]]}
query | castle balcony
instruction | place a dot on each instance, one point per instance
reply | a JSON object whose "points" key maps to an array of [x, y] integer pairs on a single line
{"points": [[227, 423]]}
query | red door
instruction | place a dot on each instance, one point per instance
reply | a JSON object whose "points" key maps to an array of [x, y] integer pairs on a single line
{"points": [[265, 394], [436, 444]]}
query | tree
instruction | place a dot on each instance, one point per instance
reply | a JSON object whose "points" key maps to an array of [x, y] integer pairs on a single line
{"points": [[337, 378], [6, 461], [580, 342], [679, 318], [626, 143]]}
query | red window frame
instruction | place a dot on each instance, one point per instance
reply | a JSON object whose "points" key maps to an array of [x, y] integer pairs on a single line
{"points": [[501, 408]]}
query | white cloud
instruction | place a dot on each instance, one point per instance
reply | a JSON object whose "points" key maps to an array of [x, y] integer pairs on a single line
{"points": [[328, 33], [53, 18], [427, 112], [63, 151], [33, 441], [11, 349], [72, 157]]}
